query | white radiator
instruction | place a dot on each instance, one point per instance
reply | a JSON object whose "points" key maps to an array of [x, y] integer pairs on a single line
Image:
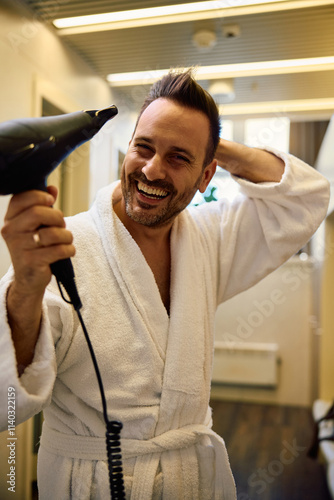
{"points": [[245, 363]]}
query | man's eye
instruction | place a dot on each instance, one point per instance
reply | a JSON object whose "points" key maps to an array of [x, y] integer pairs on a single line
{"points": [[143, 150], [180, 158], [143, 146]]}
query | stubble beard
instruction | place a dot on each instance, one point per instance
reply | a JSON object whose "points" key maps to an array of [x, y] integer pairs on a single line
{"points": [[166, 214]]}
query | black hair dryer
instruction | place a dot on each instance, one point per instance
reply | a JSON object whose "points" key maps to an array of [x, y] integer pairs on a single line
{"points": [[31, 148]]}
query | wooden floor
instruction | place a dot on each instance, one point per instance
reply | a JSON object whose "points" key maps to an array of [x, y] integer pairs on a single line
{"points": [[267, 447]]}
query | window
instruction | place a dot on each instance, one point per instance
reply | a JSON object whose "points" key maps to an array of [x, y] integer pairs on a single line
{"points": [[268, 132], [226, 130]]}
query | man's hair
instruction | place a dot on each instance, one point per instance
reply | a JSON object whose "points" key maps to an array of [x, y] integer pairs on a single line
{"points": [[183, 89]]}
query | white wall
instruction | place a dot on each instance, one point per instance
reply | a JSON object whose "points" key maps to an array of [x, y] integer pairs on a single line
{"points": [[33, 58], [279, 310]]}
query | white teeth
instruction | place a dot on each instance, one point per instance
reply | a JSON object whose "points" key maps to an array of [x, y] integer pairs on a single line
{"points": [[151, 191]]}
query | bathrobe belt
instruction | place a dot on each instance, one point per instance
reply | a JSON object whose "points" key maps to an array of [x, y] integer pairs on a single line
{"points": [[148, 454]]}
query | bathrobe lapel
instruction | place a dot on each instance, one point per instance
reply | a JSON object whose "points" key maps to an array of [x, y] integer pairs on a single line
{"points": [[186, 381], [186, 338]]}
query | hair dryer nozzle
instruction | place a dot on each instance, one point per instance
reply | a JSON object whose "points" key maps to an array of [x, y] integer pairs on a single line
{"points": [[105, 114]]}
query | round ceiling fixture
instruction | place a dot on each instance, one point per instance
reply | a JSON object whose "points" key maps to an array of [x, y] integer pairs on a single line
{"points": [[204, 39], [222, 90]]}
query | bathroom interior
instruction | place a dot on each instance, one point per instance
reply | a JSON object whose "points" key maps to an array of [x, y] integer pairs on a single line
{"points": [[270, 67]]}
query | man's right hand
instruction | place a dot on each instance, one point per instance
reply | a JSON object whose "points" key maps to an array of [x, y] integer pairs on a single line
{"points": [[36, 236]]}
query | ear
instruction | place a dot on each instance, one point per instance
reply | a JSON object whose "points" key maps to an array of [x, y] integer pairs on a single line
{"points": [[207, 175]]}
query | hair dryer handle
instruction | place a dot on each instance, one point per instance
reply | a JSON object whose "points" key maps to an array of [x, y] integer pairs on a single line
{"points": [[63, 271]]}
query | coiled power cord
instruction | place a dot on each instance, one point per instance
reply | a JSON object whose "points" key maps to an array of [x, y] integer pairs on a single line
{"points": [[63, 270]]}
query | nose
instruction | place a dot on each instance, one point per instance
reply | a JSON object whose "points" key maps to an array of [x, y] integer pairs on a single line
{"points": [[154, 168]]}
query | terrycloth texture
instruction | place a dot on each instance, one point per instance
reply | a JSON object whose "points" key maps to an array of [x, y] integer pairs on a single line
{"points": [[156, 368], [148, 454]]}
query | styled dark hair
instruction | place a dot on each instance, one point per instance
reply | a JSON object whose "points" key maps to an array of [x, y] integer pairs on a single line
{"points": [[182, 88]]}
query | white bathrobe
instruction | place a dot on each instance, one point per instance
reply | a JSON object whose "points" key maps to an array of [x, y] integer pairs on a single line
{"points": [[156, 368]]}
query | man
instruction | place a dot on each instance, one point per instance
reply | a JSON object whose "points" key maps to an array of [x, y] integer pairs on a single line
{"points": [[150, 274]]}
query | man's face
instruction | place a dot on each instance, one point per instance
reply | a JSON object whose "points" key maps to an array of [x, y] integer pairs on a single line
{"points": [[163, 167]]}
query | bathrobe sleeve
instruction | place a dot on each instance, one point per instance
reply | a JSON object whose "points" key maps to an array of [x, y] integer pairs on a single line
{"points": [[263, 226], [33, 390]]}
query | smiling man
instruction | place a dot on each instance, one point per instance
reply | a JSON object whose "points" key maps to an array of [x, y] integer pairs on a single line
{"points": [[150, 272]]}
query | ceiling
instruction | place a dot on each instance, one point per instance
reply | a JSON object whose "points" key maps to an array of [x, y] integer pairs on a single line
{"points": [[287, 34]]}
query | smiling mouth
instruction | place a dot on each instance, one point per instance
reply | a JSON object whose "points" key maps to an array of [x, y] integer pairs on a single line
{"points": [[150, 192]]}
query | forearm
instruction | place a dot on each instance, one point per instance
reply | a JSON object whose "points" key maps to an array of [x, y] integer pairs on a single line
{"points": [[24, 313], [255, 165]]}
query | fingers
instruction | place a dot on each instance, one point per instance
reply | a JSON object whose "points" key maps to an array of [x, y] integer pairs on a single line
{"points": [[23, 221], [30, 210], [48, 236], [53, 191], [41, 257], [36, 236], [41, 238], [32, 217], [24, 233], [50, 244], [23, 201]]}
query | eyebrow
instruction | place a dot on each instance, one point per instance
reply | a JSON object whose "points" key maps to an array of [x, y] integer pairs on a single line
{"points": [[174, 148]]}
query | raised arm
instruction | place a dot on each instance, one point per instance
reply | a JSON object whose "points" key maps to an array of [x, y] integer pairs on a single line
{"points": [[266, 222], [36, 236], [255, 165]]}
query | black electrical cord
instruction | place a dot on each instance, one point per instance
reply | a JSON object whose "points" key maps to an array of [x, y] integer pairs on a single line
{"points": [[114, 427]]}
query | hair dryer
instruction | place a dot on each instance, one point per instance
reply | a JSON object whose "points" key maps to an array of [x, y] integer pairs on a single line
{"points": [[31, 148]]}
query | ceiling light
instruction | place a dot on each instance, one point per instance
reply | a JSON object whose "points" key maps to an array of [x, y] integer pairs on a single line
{"points": [[175, 13], [165, 10], [222, 90], [204, 39], [135, 77], [279, 108], [224, 71]]}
